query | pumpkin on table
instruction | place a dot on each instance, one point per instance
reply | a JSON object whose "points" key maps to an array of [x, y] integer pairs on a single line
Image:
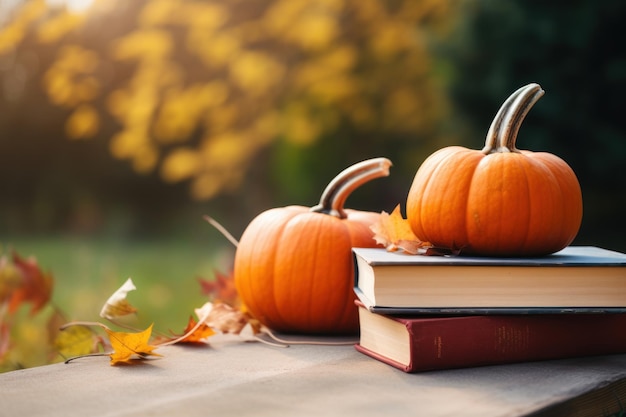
{"points": [[498, 201], [293, 265]]}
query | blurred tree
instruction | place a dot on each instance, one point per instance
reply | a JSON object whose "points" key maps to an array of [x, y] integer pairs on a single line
{"points": [[261, 102], [574, 50], [195, 89]]}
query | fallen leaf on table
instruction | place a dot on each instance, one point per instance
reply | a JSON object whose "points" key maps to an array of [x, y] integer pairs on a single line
{"points": [[127, 346], [226, 319], [77, 341], [195, 332], [394, 233], [200, 332], [117, 305]]}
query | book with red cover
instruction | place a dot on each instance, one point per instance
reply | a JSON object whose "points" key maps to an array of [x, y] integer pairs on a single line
{"points": [[415, 344]]}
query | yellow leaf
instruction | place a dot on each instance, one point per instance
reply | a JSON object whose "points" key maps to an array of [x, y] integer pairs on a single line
{"points": [[54, 29], [83, 123], [214, 49], [128, 143], [143, 44], [14, 31], [77, 341], [205, 186], [228, 149], [159, 12], [316, 31], [180, 164], [256, 73], [126, 346]]}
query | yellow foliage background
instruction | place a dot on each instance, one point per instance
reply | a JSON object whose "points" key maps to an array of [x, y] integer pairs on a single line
{"points": [[196, 89]]}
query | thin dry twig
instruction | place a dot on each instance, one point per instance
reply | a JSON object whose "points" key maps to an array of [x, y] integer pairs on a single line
{"points": [[221, 229]]}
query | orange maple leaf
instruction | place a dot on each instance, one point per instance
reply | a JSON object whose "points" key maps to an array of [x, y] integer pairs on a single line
{"points": [[195, 332], [200, 333], [126, 346], [36, 286], [394, 233]]}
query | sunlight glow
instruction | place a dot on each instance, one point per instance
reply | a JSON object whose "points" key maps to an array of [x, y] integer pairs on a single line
{"points": [[76, 6]]}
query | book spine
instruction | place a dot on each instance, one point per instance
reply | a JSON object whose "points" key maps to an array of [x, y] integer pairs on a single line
{"points": [[490, 340]]}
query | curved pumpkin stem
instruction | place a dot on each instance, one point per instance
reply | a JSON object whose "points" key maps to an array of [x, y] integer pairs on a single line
{"points": [[505, 126], [515, 116], [496, 124], [337, 191]]}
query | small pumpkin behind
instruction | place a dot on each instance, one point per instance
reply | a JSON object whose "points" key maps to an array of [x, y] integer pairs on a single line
{"points": [[497, 201], [293, 266]]}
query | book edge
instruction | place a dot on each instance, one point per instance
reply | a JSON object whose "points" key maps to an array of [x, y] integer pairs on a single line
{"points": [[395, 310], [384, 359], [609, 258]]}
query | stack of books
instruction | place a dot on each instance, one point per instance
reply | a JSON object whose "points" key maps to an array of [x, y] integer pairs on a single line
{"points": [[420, 313]]}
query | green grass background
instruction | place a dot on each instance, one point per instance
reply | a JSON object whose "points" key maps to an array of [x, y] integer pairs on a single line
{"points": [[87, 270]]}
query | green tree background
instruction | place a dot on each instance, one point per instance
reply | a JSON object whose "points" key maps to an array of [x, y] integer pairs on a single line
{"points": [[424, 75], [575, 50]]}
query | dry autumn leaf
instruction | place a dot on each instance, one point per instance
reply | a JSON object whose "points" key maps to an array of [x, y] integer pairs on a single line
{"points": [[394, 233], [225, 318], [195, 332], [10, 279], [5, 339], [221, 288], [77, 341], [35, 286], [117, 305], [127, 346]]}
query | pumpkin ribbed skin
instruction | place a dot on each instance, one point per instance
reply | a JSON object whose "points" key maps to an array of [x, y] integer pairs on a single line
{"points": [[498, 201], [294, 268], [503, 204]]}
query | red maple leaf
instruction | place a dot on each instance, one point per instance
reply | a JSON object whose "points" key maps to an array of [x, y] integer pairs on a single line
{"points": [[221, 288], [36, 286]]}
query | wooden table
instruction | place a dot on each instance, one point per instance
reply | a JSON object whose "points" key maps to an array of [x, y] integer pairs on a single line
{"points": [[234, 378]]}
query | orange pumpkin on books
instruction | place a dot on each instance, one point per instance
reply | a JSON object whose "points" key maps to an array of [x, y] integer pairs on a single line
{"points": [[293, 265], [498, 201]]}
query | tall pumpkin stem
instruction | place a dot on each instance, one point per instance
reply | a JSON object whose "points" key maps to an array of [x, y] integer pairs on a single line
{"points": [[496, 124], [337, 191], [505, 126]]}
